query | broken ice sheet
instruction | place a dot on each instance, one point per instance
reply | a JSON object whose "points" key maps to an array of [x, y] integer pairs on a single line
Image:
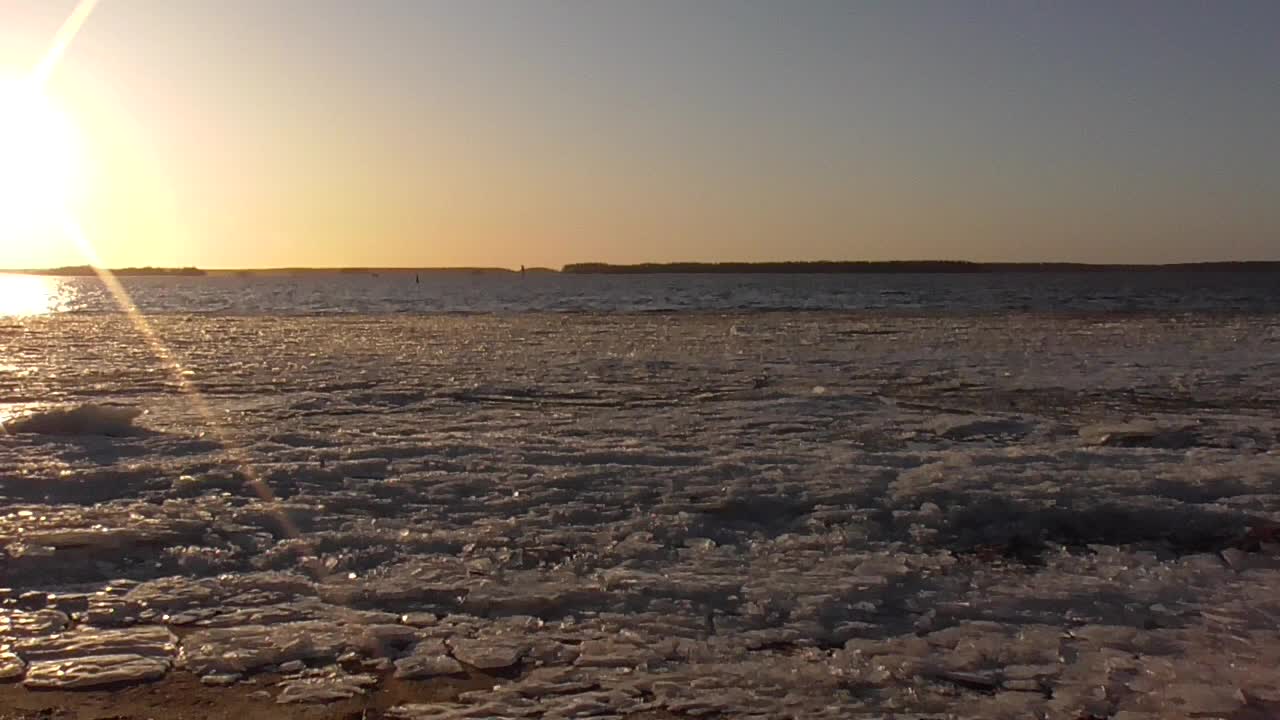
{"points": [[933, 534]]}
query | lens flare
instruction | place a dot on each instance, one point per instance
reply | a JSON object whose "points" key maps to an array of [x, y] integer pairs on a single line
{"points": [[71, 228]]}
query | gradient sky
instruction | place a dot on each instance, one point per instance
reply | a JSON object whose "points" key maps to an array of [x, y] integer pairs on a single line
{"points": [[234, 133]]}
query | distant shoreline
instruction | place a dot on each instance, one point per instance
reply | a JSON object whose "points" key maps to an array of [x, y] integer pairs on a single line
{"points": [[86, 271], [740, 268], [907, 267]]}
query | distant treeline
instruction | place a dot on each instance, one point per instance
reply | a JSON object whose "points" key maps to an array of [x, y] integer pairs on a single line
{"points": [[904, 266], [389, 271], [86, 270], [371, 271]]}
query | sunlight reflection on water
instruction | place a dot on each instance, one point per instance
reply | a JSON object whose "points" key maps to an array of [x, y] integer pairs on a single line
{"points": [[22, 295]]}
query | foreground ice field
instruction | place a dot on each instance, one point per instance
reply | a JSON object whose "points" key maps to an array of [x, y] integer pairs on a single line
{"points": [[779, 515]]}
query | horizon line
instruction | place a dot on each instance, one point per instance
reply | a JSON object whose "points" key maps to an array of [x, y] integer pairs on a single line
{"points": [[667, 267]]}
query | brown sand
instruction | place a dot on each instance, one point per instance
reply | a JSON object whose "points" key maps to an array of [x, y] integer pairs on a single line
{"points": [[180, 696]]}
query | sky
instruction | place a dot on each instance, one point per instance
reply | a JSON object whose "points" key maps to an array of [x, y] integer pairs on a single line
{"points": [[244, 133]]}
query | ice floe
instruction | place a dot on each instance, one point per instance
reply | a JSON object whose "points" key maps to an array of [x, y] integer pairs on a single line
{"points": [[613, 515]]}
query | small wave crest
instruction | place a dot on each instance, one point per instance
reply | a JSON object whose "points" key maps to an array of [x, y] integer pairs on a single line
{"points": [[87, 419]]}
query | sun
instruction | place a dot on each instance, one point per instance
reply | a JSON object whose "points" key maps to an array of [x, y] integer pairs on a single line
{"points": [[40, 166]]}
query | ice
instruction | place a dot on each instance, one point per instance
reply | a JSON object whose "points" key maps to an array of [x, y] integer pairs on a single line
{"points": [[607, 654], [11, 667], [422, 665], [145, 641], [94, 671], [419, 619], [421, 711], [85, 657], [970, 428], [224, 680], [1138, 434], [29, 624], [978, 517], [324, 689], [489, 653], [87, 419], [247, 648]]}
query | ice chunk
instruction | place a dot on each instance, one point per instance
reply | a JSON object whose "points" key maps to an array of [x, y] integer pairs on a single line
{"points": [[11, 666], [146, 641], [604, 653], [418, 667], [88, 419], [245, 649], [544, 682], [382, 640], [1137, 434], [488, 653], [419, 619], [29, 624], [324, 689], [968, 427], [424, 711], [94, 671]]}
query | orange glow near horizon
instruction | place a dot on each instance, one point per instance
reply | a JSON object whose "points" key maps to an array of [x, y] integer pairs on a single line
{"points": [[243, 134]]}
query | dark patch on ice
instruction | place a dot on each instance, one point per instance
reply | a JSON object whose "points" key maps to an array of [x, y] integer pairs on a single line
{"points": [[993, 527], [969, 428], [1256, 708], [300, 440], [1139, 435], [856, 332], [775, 513], [524, 396], [984, 683], [86, 486], [618, 457], [388, 398], [1199, 492]]}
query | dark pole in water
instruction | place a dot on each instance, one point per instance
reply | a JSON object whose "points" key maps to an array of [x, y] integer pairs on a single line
{"points": [[416, 279]]}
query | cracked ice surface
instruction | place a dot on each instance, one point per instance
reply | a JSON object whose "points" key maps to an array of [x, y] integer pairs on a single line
{"points": [[758, 515]]}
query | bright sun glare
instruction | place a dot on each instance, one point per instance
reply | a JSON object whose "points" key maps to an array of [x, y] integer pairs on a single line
{"points": [[39, 159], [26, 295]]}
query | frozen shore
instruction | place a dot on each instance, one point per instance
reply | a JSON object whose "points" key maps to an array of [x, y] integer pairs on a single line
{"points": [[768, 515]]}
